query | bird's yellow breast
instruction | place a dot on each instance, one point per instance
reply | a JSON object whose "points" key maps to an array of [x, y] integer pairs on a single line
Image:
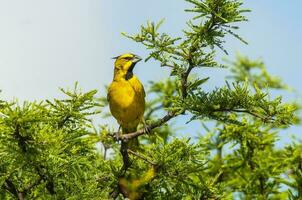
{"points": [[127, 101]]}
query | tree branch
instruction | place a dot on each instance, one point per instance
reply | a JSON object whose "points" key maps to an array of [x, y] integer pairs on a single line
{"points": [[128, 136], [63, 121], [20, 139], [167, 65], [242, 111], [141, 157], [184, 80], [126, 164], [9, 185], [44, 177]]}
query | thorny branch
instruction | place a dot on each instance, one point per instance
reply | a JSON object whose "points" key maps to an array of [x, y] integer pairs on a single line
{"points": [[158, 123]]}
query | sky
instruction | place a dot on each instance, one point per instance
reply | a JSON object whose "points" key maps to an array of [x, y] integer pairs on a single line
{"points": [[47, 44]]}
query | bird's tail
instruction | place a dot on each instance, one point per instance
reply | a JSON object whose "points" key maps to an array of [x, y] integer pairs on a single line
{"points": [[133, 143]]}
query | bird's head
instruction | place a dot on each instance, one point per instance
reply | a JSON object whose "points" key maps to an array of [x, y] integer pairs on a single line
{"points": [[125, 63]]}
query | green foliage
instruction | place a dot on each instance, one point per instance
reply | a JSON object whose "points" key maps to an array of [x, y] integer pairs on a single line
{"points": [[222, 103], [180, 166], [48, 149], [52, 150]]}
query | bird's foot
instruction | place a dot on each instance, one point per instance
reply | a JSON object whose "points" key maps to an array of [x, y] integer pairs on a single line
{"points": [[117, 135], [147, 129]]}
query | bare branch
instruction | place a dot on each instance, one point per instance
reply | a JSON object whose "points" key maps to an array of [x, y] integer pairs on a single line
{"points": [[128, 136]]}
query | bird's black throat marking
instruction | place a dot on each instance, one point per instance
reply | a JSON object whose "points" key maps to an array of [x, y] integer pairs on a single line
{"points": [[129, 73]]}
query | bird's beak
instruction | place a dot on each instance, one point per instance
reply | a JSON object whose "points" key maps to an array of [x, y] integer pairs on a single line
{"points": [[136, 59]]}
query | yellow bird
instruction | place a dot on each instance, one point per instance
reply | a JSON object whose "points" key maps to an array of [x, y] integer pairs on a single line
{"points": [[126, 95]]}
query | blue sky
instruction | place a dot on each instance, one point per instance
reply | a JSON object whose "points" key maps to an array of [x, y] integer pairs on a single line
{"points": [[49, 44]]}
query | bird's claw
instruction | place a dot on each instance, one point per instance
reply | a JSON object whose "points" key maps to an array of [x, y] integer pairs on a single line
{"points": [[147, 129], [117, 135]]}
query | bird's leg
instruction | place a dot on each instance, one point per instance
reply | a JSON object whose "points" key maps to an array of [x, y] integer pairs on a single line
{"points": [[147, 129], [118, 133]]}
